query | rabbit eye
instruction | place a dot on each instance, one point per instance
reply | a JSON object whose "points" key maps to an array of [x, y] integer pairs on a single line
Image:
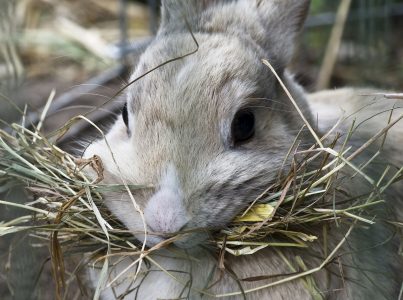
{"points": [[125, 115], [243, 126]]}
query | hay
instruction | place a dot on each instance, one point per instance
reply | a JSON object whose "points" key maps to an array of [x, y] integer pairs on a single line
{"points": [[67, 210]]}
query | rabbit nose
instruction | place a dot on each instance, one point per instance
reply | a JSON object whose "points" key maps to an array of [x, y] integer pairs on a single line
{"points": [[165, 211]]}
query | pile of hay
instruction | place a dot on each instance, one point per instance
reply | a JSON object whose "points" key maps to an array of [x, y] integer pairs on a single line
{"points": [[67, 211]]}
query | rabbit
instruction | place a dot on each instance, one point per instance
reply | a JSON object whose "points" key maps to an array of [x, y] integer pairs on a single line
{"points": [[208, 132]]}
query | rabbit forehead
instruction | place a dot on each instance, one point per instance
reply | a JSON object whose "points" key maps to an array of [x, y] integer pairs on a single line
{"points": [[202, 78], [185, 107]]}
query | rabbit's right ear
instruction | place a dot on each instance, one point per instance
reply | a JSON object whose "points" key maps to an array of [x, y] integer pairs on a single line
{"points": [[173, 12]]}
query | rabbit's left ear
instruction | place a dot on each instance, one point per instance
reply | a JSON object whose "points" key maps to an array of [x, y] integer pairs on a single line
{"points": [[282, 21]]}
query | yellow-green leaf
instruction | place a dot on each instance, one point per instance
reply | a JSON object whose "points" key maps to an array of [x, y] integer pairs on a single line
{"points": [[257, 213]]}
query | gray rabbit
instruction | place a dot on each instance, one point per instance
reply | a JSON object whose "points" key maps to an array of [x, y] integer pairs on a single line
{"points": [[210, 131]]}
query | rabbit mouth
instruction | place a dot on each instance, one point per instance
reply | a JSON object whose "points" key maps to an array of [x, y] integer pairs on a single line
{"points": [[185, 239], [192, 240]]}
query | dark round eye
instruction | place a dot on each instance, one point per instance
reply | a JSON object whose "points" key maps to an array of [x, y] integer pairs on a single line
{"points": [[243, 126], [125, 115]]}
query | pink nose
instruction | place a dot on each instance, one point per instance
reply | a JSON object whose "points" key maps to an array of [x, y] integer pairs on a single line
{"points": [[165, 212]]}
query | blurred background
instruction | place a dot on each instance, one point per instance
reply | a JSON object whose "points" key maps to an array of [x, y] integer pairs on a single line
{"points": [[84, 50]]}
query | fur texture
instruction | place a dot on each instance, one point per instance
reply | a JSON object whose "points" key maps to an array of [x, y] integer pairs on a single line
{"points": [[179, 140]]}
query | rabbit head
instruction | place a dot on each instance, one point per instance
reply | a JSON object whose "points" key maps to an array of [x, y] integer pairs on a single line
{"points": [[210, 129]]}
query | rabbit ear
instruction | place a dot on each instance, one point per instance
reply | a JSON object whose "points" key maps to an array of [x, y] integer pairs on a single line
{"points": [[282, 21], [171, 10], [273, 24], [290, 14]]}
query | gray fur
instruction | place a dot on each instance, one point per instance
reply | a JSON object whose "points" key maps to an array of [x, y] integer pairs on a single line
{"points": [[180, 116]]}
